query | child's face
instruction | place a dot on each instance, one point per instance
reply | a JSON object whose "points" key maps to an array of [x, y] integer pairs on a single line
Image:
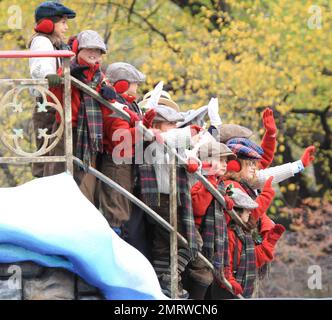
{"points": [[245, 215], [60, 28], [165, 126], [132, 90], [249, 170], [223, 166], [218, 168], [90, 56]]}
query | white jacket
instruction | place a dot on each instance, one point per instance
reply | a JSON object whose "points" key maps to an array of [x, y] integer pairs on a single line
{"points": [[41, 67], [280, 173]]}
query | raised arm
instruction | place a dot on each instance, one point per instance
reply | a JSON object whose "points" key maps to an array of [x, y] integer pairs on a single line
{"points": [[269, 139]]}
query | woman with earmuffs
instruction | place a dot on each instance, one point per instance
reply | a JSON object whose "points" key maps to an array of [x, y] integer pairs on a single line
{"points": [[50, 29]]}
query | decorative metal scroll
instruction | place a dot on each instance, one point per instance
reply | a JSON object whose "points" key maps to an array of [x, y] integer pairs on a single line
{"points": [[50, 139]]}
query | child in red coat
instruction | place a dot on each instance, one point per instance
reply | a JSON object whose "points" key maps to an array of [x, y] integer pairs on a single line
{"points": [[87, 119], [210, 223], [246, 256], [120, 138]]}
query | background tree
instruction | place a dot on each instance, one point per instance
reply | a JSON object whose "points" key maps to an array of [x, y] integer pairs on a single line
{"points": [[250, 54]]}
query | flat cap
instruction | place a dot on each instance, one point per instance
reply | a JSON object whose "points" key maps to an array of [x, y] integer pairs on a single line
{"points": [[243, 200], [124, 71], [164, 113], [214, 150], [90, 39], [229, 131]]}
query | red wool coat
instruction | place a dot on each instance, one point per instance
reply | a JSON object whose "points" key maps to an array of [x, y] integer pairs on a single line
{"points": [[201, 200]]}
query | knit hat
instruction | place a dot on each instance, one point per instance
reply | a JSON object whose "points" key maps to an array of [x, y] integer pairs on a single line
{"points": [[164, 100], [164, 113], [245, 148], [214, 150], [90, 39], [50, 9], [124, 71], [230, 131]]}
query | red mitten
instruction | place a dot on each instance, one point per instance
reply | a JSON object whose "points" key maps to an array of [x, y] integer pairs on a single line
{"points": [[192, 166], [308, 156], [206, 165], [133, 117], [268, 185], [275, 233], [237, 289], [229, 203], [148, 118], [195, 129], [268, 122]]}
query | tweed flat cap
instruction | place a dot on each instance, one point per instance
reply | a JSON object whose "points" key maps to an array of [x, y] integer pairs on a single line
{"points": [[90, 39], [124, 71], [243, 200], [229, 131], [214, 150], [168, 114]]}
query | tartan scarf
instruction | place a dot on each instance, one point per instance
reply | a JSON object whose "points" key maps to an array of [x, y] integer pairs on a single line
{"points": [[214, 235], [149, 191], [246, 270], [89, 122]]}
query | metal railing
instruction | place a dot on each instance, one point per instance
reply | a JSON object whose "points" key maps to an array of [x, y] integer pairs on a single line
{"points": [[12, 142], [69, 159]]}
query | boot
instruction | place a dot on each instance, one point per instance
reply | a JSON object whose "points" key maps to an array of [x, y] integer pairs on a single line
{"points": [[165, 284]]}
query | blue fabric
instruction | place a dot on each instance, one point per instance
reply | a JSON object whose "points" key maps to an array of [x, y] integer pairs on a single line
{"points": [[117, 230], [50, 222]]}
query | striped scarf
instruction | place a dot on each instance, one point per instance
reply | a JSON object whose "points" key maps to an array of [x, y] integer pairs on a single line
{"points": [[214, 234], [246, 270], [89, 123], [150, 195]]}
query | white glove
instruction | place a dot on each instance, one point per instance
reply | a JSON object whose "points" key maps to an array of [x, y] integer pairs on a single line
{"points": [[213, 112]]}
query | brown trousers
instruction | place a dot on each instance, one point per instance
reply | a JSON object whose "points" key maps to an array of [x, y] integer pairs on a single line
{"points": [[41, 120], [115, 207], [86, 181], [161, 237]]}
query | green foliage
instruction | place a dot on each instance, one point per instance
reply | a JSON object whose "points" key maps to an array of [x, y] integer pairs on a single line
{"points": [[250, 54]]}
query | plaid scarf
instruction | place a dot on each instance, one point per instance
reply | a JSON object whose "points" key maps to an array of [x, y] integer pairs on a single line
{"points": [[150, 195], [246, 270], [214, 234], [89, 123]]}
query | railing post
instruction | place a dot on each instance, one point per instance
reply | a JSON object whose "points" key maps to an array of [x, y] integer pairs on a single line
{"points": [[68, 116], [173, 222]]}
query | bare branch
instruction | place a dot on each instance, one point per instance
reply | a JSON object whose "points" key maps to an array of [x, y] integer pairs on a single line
{"points": [[147, 22], [131, 9]]}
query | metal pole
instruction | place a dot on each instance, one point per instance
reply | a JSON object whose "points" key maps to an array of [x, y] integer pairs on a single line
{"points": [[173, 222], [68, 116]]}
